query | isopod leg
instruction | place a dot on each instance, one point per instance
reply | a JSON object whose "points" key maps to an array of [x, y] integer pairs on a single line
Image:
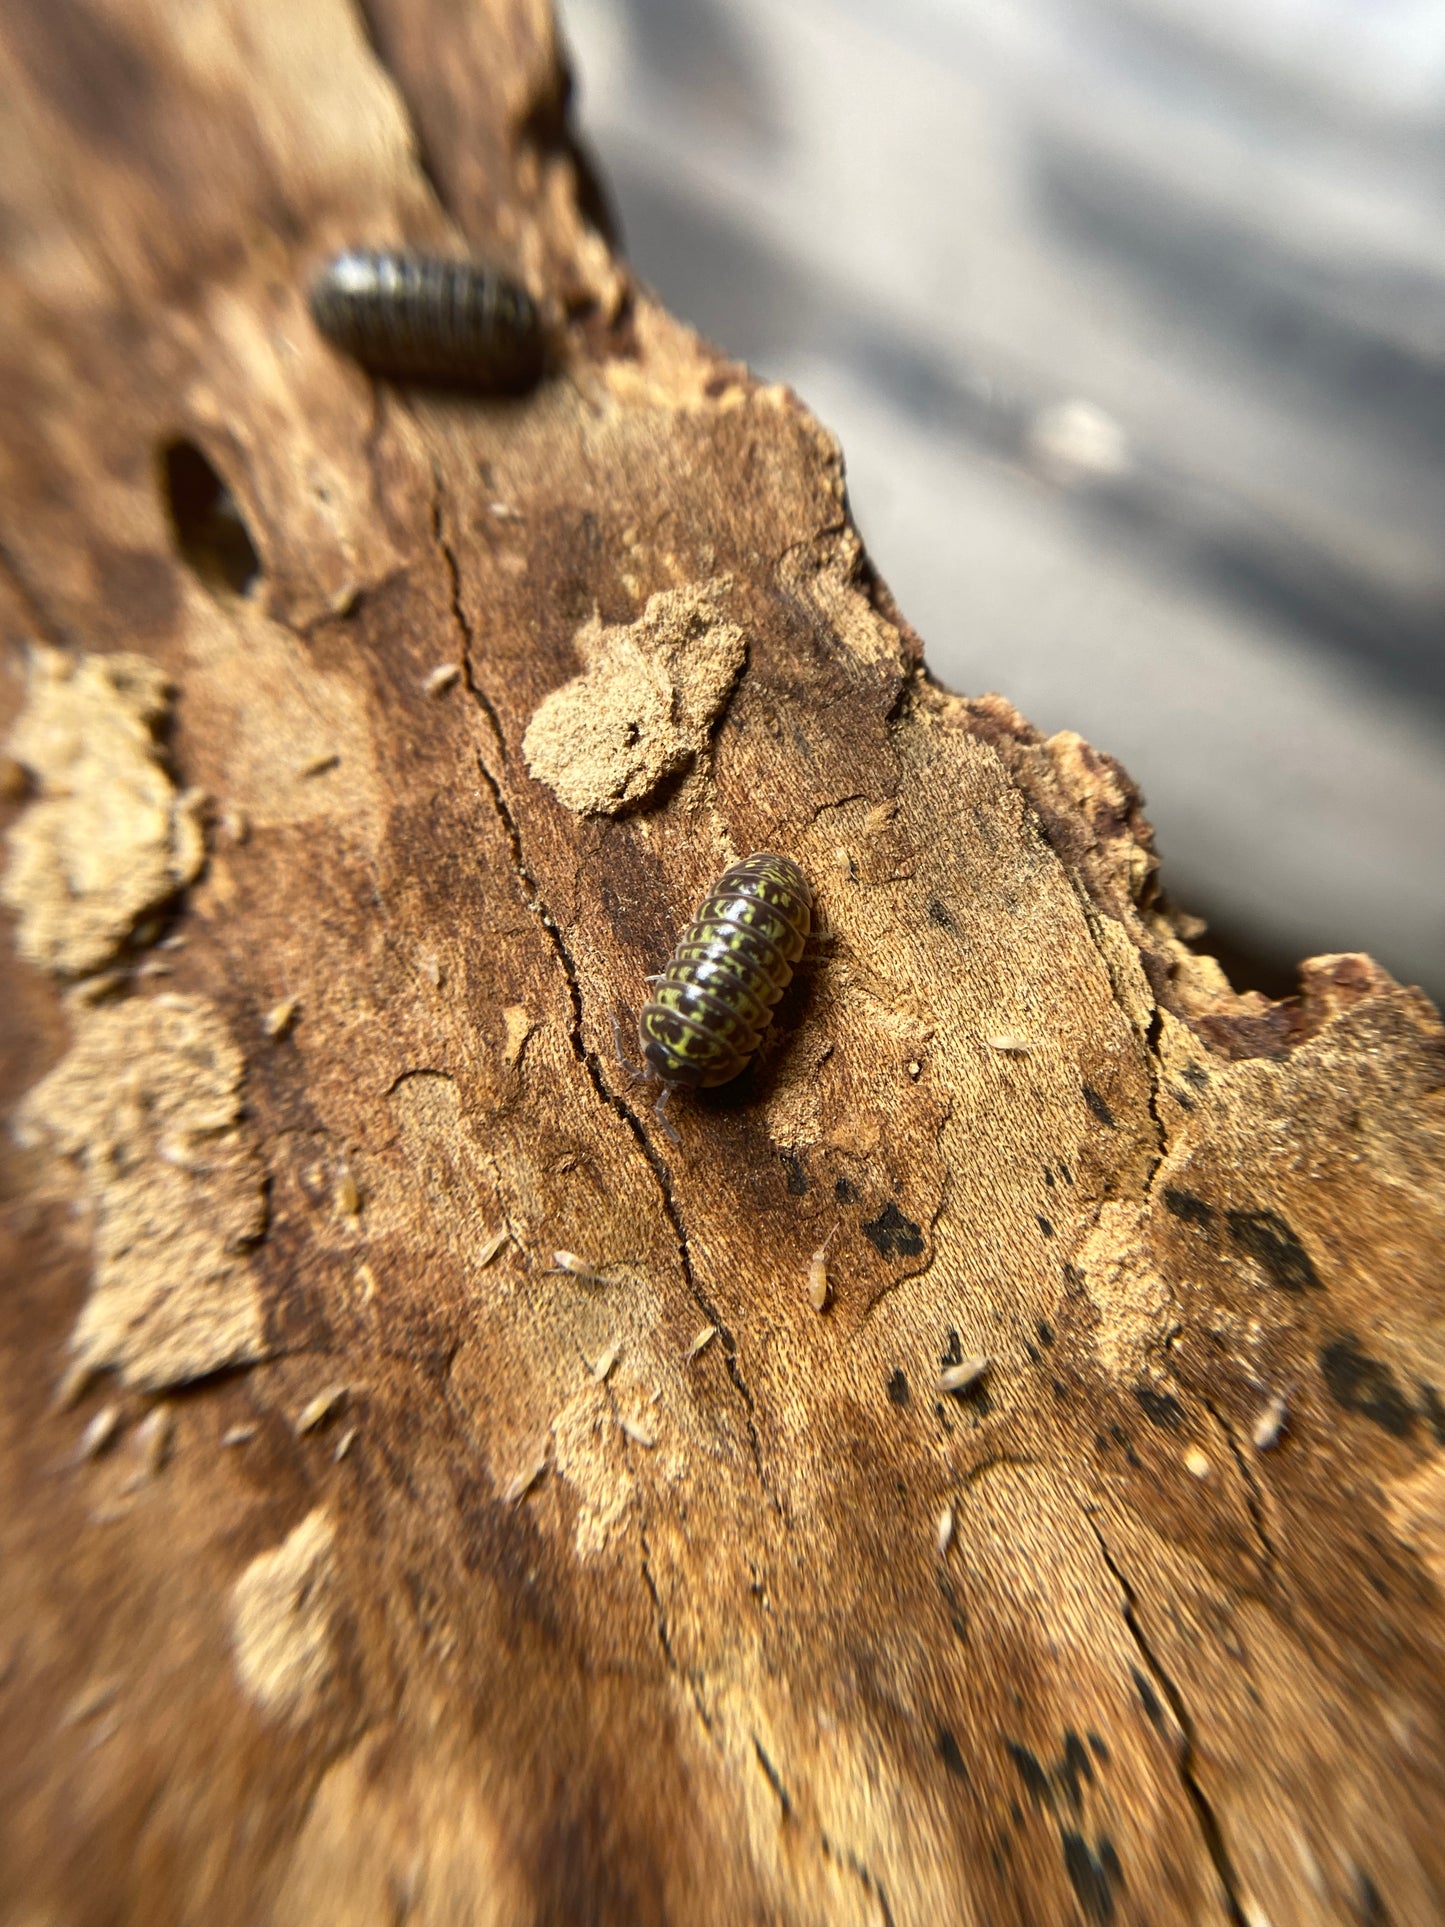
{"points": [[634, 1071], [659, 1112]]}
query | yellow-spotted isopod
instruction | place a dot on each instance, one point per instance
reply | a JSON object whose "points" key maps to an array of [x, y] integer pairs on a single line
{"points": [[711, 1005]]}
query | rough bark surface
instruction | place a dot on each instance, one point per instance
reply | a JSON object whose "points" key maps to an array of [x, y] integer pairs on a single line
{"points": [[355, 1564]]}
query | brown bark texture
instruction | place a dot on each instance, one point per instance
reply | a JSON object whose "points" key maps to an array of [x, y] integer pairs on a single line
{"points": [[366, 748]]}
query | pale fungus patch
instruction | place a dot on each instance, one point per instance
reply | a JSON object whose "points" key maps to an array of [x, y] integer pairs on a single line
{"points": [[585, 1454], [519, 1027], [146, 1106], [281, 1620], [644, 704], [107, 838]]}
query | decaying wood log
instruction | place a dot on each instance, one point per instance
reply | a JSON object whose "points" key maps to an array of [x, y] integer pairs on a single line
{"points": [[362, 1561]]}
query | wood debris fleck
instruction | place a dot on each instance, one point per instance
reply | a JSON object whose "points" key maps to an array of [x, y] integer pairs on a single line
{"points": [[94, 990], [519, 1028], [153, 1439], [1265, 1433], [576, 1267], [75, 1381], [89, 1701], [346, 1195], [317, 1410], [1007, 1045], [818, 1288], [319, 765], [521, 1483], [701, 1342], [280, 1017], [602, 1369], [639, 1434], [441, 679], [963, 1376], [345, 1443], [945, 1531], [99, 1433], [490, 1249], [1197, 1462], [237, 1435]]}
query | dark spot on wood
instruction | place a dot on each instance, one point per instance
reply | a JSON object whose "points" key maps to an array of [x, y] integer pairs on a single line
{"points": [[1045, 1331], [1077, 1767], [1016, 1813], [1048, 1177], [1073, 1281], [1044, 1225], [894, 1235], [1091, 1879], [1434, 1411], [1366, 1385], [1066, 1174], [793, 1171], [1181, 1098], [1035, 1356], [1097, 1105], [1187, 1207], [952, 1758], [898, 1386], [1266, 1238], [774, 1778], [1036, 1781], [957, 1616], [1160, 1408], [1196, 1075], [209, 529], [1370, 1908], [98, 78], [845, 1191], [1149, 1699], [941, 915], [1101, 1441], [1100, 1751], [953, 1352]]}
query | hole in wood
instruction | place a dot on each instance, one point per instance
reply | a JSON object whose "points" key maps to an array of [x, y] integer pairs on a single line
{"points": [[209, 527]]}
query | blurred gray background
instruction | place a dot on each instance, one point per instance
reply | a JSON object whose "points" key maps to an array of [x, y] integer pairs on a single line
{"points": [[1130, 316]]}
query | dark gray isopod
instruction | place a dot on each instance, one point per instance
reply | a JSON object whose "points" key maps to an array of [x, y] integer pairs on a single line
{"points": [[420, 318]]}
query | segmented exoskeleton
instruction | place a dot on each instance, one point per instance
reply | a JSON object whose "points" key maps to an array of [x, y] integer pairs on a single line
{"points": [[427, 319], [711, 1005]]}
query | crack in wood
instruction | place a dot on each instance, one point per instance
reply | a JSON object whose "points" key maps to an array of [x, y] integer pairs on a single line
{"points": [[1253, 1496], [585, 1055], [1210, 1831]]}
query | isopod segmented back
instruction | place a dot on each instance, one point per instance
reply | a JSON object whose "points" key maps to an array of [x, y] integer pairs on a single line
{"points": [[428, 319], [716, 997]]}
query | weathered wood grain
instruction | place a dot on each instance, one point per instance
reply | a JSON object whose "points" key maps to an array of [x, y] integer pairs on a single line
{"points": [[450, 1585]]}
